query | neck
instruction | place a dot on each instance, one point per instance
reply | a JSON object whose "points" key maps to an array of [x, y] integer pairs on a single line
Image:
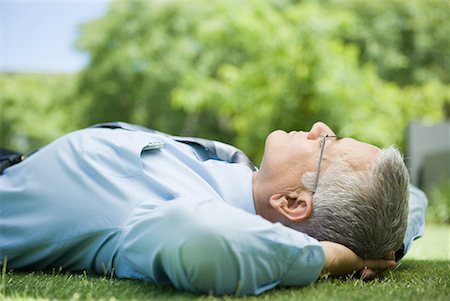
{"points": [[256, 192], [260, 195]]}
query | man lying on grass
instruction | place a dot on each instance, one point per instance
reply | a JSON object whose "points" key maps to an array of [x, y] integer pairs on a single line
{"points": [[124, 200]]}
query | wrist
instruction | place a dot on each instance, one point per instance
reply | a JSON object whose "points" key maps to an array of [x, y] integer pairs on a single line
{"points": [[340, 260], [328, 255]]}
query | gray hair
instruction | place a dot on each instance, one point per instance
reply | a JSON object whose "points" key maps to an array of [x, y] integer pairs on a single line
{"points": [[366, 210]]}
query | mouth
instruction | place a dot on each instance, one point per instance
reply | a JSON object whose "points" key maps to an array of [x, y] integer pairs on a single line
{"points": [[292, 133]]}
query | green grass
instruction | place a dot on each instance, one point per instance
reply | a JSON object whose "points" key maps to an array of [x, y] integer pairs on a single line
{"points": [[424, 274], [434, 245]]}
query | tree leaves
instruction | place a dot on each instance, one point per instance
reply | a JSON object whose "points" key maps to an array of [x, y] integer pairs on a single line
{"points": [[235, 71]]}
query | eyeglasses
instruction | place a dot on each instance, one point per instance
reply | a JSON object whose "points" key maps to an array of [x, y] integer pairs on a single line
{"points": [[324, 139]]}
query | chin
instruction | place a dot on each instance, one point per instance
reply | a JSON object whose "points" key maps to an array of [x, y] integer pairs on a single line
{"points": [[277, 134]]}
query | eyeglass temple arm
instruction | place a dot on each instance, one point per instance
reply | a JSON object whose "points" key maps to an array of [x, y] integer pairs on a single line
{"points": [[318, 164]]}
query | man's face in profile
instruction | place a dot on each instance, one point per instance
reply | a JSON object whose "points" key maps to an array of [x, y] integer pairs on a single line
{"points": [[288, 156]]}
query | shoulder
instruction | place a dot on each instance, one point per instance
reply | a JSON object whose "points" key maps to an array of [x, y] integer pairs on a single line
{"points": [[114, 151]]}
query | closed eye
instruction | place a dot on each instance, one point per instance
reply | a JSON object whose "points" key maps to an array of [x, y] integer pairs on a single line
{"points": [[329, 137]]}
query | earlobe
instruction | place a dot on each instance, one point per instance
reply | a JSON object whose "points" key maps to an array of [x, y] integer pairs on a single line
{"points": [[296, 207]]}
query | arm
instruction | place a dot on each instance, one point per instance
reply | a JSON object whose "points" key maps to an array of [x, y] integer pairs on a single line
{"points": [[416, 219], [341, 261], [209, 246]]}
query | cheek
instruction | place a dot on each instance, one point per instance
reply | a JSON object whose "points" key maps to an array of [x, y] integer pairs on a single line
{"points": [[290, 154], [302, 158], [306, 153]]}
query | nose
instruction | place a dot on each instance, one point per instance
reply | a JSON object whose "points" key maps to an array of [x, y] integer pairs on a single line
{"points": [[319, 128]]}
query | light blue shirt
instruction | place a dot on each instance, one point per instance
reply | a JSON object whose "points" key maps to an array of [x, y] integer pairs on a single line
{"points": [[418, 203], [143, 206]]}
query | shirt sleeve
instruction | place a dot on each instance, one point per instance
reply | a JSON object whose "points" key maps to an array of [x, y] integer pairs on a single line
{"points": [[211, 247], [416, 219]]}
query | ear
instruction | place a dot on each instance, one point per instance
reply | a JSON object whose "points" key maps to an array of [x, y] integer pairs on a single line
{"points": [[294, 206]]}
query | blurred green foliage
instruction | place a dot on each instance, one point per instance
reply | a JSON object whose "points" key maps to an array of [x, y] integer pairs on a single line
{"points": [[439, 202], [35, 109], [406, 41], [234, 71]]}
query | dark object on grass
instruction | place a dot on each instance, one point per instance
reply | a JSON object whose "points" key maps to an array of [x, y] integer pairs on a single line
{"points": [[9, 158]]}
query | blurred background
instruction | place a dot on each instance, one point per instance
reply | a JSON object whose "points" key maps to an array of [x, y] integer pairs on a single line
{"points": [[378, 71]]}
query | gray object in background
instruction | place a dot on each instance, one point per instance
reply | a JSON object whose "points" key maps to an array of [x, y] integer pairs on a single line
{"points": [[428, 153]]}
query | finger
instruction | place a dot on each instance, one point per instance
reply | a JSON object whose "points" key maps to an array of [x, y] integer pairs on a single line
{"points": [[368, 274], [389, 255], [379, 264]]}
